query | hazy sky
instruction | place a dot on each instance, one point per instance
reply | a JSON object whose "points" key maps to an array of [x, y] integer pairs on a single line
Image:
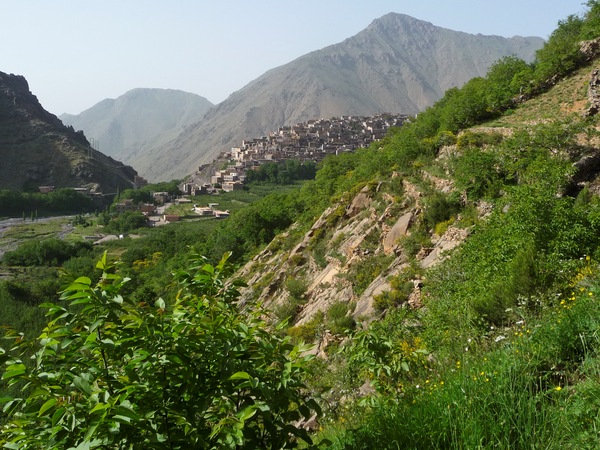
{"points": [[75, 53]]}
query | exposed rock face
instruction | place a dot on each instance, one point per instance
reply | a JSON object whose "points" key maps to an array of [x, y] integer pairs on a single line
{"points": [[594, 93], [360, 236], [449, 240], [37, 149], [590, 49], [360, 202], [400, 228]]}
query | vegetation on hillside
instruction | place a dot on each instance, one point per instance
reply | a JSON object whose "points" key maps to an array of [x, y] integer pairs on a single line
{"points": [[504, 353], [28, 204], [282, 173]]}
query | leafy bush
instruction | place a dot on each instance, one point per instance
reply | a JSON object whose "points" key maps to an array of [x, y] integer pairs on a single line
{"points": [[478, 139], [45, 252], [311, 330], [477, 172], [126, 222], [61, 201], [296, 287], [337, 319], [506, 81], [286, 172], [113, 373], [414, 242], [560, 55], [396, 296], [439, 208], [362, 273]]}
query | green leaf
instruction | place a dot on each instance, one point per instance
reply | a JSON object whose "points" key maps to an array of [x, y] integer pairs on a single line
{"points": [[79, 294], [10, 404], [102, 265], [82, 384], [240, 376], [14, 370], [58, 414], [96, 324], [83, 280], [91, 429], [46, 406], [99, 407], [208, 268], [246, 413]]}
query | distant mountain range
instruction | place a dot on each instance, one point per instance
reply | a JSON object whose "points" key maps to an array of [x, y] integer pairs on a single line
{"points": [[37, 149], [125, 126], [398, 64]]}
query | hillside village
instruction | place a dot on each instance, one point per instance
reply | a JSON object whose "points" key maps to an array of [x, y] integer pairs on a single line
{"points": [[308, 141], [304, 142]]}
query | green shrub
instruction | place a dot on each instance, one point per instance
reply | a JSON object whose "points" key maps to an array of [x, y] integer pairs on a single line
{"points": [[337, 319], [439, 208], [45, 252], [288, 310], [393, 298], [478, 139], [478, 173], [442, 227], [296, 287], [311, 331], [196, 373], [414, 242], [362, 273]]}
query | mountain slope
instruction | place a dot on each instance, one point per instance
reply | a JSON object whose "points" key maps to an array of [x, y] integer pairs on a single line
{"points": [[376, 247], [37, 149], [398, 64], [124, 126]]}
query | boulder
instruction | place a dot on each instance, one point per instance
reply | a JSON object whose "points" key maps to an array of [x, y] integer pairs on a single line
{"points": [[360, 202], [400, 229]]}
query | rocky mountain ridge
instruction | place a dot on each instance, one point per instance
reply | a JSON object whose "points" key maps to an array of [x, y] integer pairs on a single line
{"points": [[37, 149]]}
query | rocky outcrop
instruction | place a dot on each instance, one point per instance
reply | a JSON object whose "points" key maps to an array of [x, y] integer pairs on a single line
{"points": [[593, 95], [400, 229], [441, 246], [360, 202], [590, 49], [335, 248]]}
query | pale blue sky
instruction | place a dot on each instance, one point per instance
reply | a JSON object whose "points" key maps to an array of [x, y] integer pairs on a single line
{"points": [[75, 53]]}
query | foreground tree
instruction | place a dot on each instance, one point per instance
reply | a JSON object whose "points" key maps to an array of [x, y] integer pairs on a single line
{"points": [[108, 372]]}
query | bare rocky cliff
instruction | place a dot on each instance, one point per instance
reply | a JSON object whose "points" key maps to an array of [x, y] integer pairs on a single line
{"points": [[372, 250], [356, 253]]}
